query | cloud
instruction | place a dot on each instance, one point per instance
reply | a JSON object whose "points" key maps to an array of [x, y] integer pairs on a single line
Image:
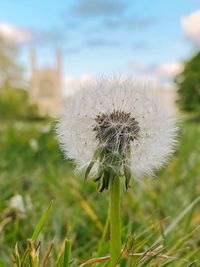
{"points": [[90, 8], [168, 70], [191, 26], [71, 83], [163, 73], [30, 36], [15, 34], [141, 69], [137, 67]]}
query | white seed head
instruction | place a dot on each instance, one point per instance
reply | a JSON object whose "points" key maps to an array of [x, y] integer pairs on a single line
{"points": [[118, 125], [17, 203]]}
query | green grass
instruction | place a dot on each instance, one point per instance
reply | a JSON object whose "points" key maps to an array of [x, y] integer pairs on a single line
{"points": [[162, 210]]}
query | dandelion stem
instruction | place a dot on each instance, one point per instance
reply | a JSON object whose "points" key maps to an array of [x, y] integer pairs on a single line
{"points": [[115, 224]]}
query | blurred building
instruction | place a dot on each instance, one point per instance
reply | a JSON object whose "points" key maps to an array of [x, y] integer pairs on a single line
{"points": [[45, 86]]}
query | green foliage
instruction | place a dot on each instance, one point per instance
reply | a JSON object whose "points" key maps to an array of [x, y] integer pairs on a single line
{"points": [[14, 103], [13, 100], [10, 70], [160, 216], [32, 258], [188, 84]]}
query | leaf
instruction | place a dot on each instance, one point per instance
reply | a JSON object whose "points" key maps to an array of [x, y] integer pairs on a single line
{"points": [[127, 174], [95, 157], [105, 182], [87, 172]]}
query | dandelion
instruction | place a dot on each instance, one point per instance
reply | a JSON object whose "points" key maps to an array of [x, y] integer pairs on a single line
{"points": [[34, 144], [115, 129], [45, 128], [17, 203]]}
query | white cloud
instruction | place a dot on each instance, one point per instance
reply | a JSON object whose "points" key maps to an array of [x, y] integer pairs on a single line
{"points": [[138, 67], [164, 72], [168, 70], [191, 26], [14, 34], [72, 83]]}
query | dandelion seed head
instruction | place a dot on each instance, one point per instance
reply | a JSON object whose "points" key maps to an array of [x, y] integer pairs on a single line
{"points": [[122, 120], [17, 203]]}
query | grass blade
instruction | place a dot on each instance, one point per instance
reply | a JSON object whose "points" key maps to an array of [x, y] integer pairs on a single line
{"points": [[41, 223], [174, 224], [67, 253], [36, 232]]}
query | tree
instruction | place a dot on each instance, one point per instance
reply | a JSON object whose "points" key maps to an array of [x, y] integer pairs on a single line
{"points": [[11, 74], [14, 101], [188, 84]]}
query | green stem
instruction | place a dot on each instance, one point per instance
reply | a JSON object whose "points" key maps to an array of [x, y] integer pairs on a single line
{"points": [[115, 224]]}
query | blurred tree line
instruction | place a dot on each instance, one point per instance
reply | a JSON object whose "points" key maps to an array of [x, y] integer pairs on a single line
{"points": [[188, 85], [14, 102]]}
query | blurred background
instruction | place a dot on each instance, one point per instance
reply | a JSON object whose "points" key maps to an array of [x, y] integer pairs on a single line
{"points": [[47, 50]]}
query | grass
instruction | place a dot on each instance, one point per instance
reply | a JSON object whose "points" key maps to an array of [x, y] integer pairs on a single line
{"points": [[161, 215]]}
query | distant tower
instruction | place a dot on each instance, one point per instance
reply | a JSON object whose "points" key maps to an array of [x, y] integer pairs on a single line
{"points": [[46, 86]]}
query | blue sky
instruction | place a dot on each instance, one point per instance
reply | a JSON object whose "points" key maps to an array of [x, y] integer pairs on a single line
{"points": [[103, 37]]}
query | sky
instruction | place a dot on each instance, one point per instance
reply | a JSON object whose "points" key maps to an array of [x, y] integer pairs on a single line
{"points": [[139, 38]]}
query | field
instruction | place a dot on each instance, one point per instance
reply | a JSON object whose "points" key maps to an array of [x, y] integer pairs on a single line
{"points": [[164, 210]]}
